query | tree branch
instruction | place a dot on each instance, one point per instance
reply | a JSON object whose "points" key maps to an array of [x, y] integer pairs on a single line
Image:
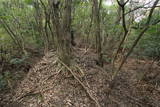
{"points": [[140, 35], [136, 8]]}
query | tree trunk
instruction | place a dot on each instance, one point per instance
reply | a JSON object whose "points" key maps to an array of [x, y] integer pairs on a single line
{"points": [[41, 30], [96, 18], [63, 30], [119, 11]]}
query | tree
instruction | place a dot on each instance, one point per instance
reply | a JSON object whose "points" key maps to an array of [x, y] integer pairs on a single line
{"points": [[42, 31], [145, 28], [63, 29], [96, 17]]}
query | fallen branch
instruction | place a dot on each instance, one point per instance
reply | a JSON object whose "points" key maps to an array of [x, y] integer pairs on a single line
{"points": [[90, 95]]}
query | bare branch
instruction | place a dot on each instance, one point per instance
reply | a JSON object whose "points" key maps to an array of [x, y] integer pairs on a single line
{"points": [[141, 7], [126, 2], [156, 22], [125, 30], [151, 12], [140, 35], [122, 4]]}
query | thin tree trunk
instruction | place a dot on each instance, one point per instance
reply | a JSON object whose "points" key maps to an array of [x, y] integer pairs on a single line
{"points": [[12, 35], [41, 29], [122, 5], [138, 38], [96, 17], [119, 11]]}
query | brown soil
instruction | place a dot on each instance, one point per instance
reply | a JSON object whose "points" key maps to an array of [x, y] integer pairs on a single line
{"points": [[50, 84]]}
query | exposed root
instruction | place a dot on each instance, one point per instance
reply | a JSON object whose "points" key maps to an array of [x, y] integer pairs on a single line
{"points": [[90, 95]]}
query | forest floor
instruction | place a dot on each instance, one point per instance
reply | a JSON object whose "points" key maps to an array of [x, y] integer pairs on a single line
{"points": [[50, 83]]}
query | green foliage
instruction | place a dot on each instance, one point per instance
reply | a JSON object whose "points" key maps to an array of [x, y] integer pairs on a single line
{"points": [[3, 83], [150, 42], [17, 61], [81, 16], [4, 78], [19, 15], [28, 1]]}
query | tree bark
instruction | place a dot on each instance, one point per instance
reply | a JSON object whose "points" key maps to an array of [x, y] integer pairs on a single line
{"points": [[63, 29], [41, 29], [96, 18]]}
